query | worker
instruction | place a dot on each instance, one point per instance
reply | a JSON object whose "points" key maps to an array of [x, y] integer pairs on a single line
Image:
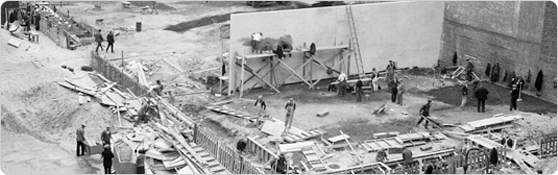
{"points": [[375, 86], [407, 157], [514, 96], [260, 100], [342, 84], [287, 47], [482, 95], [464, 93], [144, 113], [80, 133], [140, 162], [99, 39], [424, 112], [359, 91], [290, 107], [390, 71], [154, 8], [106, 136], [158, 88], [279, 52], [393, 89], [268, 48], [107, 156], [400, 92], [470, 68], [256, 38], [110, 40], [241, 145], [520, 83], [279, 164], [311, 52], [382, 155]]}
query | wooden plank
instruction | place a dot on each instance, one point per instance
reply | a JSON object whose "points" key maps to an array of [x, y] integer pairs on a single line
{"points": [[66, 85], [338, 138], [141, 76], [243, 66], [14, 42], [293, 147], [179, 69], [205, 70]]}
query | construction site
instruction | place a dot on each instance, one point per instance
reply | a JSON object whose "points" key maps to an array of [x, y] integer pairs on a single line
{"points": [[278, 87]]}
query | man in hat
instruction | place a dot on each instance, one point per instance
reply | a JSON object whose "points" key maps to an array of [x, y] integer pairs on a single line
{"points": [[110, 40], [105, 136], [290, 107], [424, 112], [482, 95], [260, 100], [80, 133], [107, 156], [393, 89], [144, 113], [99, 39], [390, 70]]}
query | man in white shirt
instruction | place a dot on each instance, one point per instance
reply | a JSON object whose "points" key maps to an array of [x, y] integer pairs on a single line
{"points": [[342, 84], [256, 38]]}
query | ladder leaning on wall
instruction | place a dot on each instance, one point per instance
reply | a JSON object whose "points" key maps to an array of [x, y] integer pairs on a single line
{"points": [[355, 47]]}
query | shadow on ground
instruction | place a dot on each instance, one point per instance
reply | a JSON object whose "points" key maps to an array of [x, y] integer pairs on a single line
{"points": [[498, 95]]}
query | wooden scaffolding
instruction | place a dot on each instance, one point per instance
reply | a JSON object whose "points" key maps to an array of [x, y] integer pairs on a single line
{"points": [[273, 62]]}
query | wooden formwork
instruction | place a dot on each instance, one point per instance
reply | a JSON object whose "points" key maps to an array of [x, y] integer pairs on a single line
{"points": [[224, 154], [263, 154], [548, 146]]}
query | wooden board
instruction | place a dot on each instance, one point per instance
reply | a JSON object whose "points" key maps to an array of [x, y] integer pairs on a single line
{"points": [[338, 138], [232, 112], [117, 99], [14, 42], [179, 69], [293, 147]]}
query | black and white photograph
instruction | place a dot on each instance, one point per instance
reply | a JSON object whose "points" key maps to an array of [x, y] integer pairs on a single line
{"points": [[278, 87]]}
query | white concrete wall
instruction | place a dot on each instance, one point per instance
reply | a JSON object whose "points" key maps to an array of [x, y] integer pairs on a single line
{"points": [[406, 32]]}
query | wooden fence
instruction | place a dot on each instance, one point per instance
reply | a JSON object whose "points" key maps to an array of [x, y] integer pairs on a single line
{"points": [[227, 156], [548, 146], [262, 153], [113, 73]]}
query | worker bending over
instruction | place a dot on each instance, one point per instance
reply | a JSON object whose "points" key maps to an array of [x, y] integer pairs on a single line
{"points": [[424, 112], [158, 88]]}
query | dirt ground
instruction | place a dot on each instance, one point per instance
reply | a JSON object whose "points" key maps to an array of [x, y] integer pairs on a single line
{"points": [[47, 115]]}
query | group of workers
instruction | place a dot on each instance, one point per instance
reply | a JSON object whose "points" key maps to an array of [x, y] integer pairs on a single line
{"points": [[99, 39]]}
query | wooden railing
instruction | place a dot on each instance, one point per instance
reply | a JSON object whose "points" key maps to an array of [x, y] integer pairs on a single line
{"points": [[227, 156]]}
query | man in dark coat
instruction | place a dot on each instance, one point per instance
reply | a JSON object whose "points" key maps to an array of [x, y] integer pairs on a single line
{"points": [[482, 95], [425, 112], [110, 40], [107, 159], [140, 162], [407, 157], [99, 39], [359, 91], [393, 89], [464, 93]]}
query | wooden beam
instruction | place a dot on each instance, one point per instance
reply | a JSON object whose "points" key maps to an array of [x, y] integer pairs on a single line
{"points": [[270, 70], [257, 76], [292, 74], [298, 75], [179, 69], [336, 64]]}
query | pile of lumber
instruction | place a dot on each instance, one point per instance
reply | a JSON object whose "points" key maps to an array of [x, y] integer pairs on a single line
{"points": [[276, 127], [489, 124], [107, 95]]}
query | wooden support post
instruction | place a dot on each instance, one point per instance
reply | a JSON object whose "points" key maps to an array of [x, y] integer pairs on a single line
{"points": [[295, 73], [356, 154], [242, 75]]}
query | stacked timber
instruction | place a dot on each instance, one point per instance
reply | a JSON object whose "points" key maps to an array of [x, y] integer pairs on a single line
{"points": [[489, 124]]}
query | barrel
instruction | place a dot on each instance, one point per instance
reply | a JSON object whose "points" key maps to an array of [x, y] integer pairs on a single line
{"points": [[138, 26]]}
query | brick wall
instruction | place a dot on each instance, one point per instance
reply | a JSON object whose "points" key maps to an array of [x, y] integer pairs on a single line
{"points": [[520, 36]]}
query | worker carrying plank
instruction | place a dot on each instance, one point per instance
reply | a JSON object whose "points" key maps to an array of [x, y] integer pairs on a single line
{"points": [[424, 113], [290, 107]]}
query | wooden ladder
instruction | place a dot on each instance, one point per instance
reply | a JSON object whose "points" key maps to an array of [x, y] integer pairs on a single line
{"points": [[354, 44]]}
